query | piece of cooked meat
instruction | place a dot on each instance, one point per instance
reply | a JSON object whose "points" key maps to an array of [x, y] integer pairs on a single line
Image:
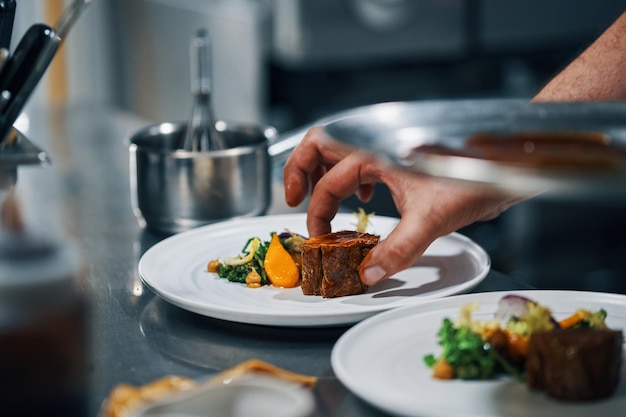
{"points": [[330, 263], [575, 364]]}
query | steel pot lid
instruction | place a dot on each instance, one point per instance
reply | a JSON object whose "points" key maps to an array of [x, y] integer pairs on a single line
{"points": [[553, 149]]}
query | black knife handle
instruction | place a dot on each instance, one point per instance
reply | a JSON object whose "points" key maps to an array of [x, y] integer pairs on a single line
{"points": [[29, 57], [24, 69], [7, 18]]}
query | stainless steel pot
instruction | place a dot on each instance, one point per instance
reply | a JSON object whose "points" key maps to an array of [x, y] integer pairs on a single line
{"points": [[173, 190]]}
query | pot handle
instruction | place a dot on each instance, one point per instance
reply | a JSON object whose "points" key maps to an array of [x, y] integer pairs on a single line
{"points": [[282, 145]]}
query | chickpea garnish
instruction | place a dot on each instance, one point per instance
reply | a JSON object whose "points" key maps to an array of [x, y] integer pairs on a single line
{"points": [[253, 279], [213, 265]]}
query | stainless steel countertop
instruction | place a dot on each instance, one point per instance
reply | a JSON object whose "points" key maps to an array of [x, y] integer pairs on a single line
{"points": [[136, 337]]}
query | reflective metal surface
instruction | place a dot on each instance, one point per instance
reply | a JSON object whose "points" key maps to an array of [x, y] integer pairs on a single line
{"points": [[21, 151], [16, 151], [135, 337], [406, 133]]}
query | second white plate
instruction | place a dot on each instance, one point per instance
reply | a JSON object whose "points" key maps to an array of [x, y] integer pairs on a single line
{"points": [[175, 269], [381, 361]]}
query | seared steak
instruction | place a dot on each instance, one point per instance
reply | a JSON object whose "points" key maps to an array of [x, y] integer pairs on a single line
{"points": [[330, 263], [575, 364]]}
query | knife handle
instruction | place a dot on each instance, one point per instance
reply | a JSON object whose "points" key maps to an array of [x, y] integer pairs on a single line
{"points": [[7, 17], [29, 57], [24, 69]]}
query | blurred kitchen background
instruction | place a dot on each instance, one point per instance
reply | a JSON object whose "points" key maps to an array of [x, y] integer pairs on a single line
{"points": [[290, 62]]}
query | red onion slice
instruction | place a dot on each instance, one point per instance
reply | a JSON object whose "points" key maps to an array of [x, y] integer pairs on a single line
{"points": [[513, 305]]}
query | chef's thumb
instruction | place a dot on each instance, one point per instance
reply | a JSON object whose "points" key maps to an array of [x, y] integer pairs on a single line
{"points": [[393, 254]]}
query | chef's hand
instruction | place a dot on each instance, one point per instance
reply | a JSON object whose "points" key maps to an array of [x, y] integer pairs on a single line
{"points": [[429, 207], [432, 207]]}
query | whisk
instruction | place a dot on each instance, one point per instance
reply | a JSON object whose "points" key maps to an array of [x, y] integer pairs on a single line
{"points": [[201, 134]]}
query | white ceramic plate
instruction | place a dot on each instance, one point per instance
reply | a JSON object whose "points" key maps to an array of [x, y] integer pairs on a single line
{"points": [[381, 361], [175, 269], [257, 396]]}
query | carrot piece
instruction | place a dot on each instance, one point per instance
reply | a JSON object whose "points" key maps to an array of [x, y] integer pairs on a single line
{"points": [[280, 267], [443, 370], [570, 321], [518, 345]]}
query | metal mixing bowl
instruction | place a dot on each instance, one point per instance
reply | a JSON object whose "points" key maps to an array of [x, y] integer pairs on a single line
{"points": [[173, 190]]}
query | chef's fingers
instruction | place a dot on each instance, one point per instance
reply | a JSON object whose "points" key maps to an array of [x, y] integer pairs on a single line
{"points": [[429, 208], [406, 243], [356, 173], [365, 192], [418, 200], [308, 162]]}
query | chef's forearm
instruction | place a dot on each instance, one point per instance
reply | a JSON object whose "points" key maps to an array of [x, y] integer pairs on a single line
{"points": [[599, 73]]}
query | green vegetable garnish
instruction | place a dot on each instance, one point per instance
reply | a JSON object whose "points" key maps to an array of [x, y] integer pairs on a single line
{"points": [[593, 320], [254, 254], [469, 355]]}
